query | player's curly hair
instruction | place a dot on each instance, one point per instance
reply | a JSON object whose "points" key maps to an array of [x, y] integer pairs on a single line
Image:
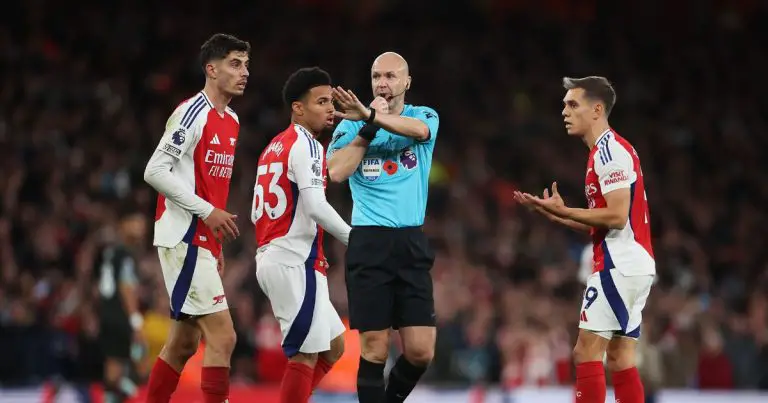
{"points": [[595, 88], [218, 46], [303, 80]]}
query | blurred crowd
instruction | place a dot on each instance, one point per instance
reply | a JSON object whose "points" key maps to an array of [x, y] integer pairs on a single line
{"points": [[85, 93]]}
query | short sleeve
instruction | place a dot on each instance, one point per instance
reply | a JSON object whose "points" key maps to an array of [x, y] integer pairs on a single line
{"points": [[343, 135], [614, 167], [180, 132], [431, 119], [306, 163], [128, 271]]}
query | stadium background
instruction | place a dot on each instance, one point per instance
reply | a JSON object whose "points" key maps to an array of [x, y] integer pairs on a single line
{"points": [[85, 90]]}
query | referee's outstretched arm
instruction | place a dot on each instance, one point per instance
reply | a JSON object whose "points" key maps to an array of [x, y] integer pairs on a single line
{"points": [[342, 164], [402, 125]]}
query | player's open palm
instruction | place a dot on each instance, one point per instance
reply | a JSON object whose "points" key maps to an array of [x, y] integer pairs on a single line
{"points": [[555, 199], [350, 105], [223, 225], [553, 204], [546, 204]]}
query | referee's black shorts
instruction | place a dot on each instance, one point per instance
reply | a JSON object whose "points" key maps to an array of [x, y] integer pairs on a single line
{"points": [[389, 284], [116, 337]]}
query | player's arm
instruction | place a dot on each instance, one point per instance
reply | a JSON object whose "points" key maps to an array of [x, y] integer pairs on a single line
{"points": [[529, 201], [345, 152], [127, 286], [614, 168], [306, 163], [176, 141], [313, 199], [613, 216], [574, 225]]}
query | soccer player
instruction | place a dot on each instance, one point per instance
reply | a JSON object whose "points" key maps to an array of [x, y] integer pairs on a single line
{"points": [[191, 169], [120, 321], [623, 262], [288, 204], [386, 153]]}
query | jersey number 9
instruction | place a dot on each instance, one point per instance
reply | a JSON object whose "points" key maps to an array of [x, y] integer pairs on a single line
{"points": [[270, 182]]}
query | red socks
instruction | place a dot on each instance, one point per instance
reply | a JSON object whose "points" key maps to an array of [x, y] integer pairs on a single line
{"points": [[590, 383], [162, 382], [297, 383], [628, 387], [321, 368], [215, 384]]}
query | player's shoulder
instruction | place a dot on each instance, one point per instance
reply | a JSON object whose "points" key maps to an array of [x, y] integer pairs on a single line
{"points": [[190, 110], [611, 147], [306, 141], [624, 144], [279, 146], [426, 111]]}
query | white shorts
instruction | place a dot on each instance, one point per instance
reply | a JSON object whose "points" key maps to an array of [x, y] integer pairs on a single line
{"points": [[613, 303], [192, 280], [301, 303]]}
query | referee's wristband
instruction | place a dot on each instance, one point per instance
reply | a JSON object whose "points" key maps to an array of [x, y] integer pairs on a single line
{"points": [[368, 132], [372, 117]]}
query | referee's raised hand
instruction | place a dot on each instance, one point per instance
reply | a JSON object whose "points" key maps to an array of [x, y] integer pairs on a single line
{"points": [[380, 104], [351, 106]]}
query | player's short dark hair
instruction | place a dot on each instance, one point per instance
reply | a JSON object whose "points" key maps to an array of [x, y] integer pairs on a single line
{"points": [[303, 80], [219, 46], [595, 88]]}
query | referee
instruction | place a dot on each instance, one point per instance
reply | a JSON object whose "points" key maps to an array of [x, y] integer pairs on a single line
{"points": [[386, 153], [119, 317]]}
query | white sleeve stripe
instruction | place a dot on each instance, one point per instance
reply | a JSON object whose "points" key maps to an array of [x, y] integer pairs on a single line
{"points": [[196, 111]]}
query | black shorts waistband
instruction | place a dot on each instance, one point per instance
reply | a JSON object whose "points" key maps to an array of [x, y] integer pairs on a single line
{"points": [[377, 228]]}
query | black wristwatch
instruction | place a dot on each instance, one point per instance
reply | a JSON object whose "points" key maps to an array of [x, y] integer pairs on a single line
{"points": [[370, 118]]}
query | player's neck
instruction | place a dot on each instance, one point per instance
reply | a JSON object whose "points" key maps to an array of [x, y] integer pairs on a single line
{"points": [[304, 125], [217, 98], [594, 134]]}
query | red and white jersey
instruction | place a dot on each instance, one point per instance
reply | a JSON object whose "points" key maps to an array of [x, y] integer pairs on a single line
{"points": [[292, 161], [203, 143], [613, 164]]}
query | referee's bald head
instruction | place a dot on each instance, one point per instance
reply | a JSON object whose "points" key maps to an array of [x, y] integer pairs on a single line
{"points": [[390, 61], [390, 79]]}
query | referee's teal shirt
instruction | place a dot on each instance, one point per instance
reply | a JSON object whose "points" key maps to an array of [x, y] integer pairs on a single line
{"points": [[390, 187]]}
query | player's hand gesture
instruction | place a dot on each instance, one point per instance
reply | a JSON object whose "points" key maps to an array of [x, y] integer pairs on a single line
{"points": [[553, 204], [547, 205], [351, 106], [525, 199], [223, 225]]}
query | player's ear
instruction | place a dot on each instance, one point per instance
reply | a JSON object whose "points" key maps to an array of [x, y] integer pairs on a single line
{"points": [[408, 83], [598, 109], [210, 70], [297, 108]]}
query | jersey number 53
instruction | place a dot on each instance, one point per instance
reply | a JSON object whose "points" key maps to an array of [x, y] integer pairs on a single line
{"points": [[267, 177]]}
